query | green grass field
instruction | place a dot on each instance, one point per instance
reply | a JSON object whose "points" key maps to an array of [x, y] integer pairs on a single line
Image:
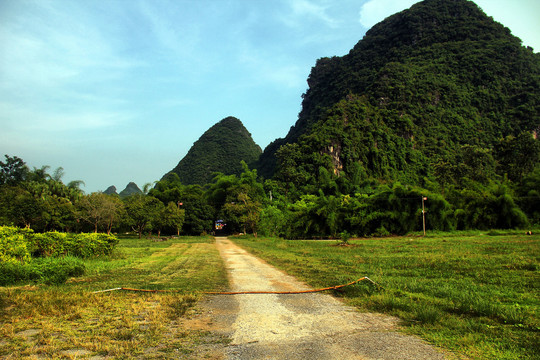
{"points": [[68, 321], [476, 295]]}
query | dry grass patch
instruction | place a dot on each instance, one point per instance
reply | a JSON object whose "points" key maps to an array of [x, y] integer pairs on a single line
{"points": [[69, 321]]}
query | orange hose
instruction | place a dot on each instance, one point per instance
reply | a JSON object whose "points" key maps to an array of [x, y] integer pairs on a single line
{"points": [[283, 292], [250, 292]]}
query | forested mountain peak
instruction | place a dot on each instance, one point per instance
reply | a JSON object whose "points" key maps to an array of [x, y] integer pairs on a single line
{"points": [[433, 21], [130, 189], [111, 190], [420, 87], [220, 149]]}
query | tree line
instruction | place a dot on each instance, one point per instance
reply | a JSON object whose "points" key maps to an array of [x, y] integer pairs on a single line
{"points": [[33, 198], [294, 204]]}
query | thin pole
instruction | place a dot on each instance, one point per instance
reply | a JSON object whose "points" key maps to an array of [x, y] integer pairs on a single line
{"points": [[424, 214]]}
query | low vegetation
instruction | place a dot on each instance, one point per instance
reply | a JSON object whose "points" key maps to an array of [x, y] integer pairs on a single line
{"points": [[50, 257], [69, 320], [477, 295]]}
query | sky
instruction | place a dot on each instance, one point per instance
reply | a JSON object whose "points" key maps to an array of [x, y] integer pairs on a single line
{"points": [[116, 91]]}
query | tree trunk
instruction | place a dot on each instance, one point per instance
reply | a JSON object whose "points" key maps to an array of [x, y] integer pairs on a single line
{"points": [[109, 226]]}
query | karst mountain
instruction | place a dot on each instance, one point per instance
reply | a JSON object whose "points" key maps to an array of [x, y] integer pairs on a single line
{"points": [[427, 89], [221, 149]]}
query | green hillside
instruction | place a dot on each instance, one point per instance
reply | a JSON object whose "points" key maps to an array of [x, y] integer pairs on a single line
{"points": [[220, 149], [131, 189], [439, 91]]}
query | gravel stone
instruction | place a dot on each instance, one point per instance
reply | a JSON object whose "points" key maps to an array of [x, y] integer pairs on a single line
{"points": [[299, 326]]}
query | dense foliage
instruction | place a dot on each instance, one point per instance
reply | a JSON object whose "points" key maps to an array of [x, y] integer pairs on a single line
{"points": [[34, 199], [219, 149], [421, 90], [437, 101]]}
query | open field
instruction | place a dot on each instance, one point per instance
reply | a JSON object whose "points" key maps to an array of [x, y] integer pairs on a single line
{"points": [[68, 321], [474, 294]]}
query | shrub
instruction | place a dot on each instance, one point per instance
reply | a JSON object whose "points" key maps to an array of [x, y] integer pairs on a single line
{"points": [[13, 244], [49, 244], [16, 245], [41, 270], [58, 270], [345, 236], [92, 244], [82, 245]]}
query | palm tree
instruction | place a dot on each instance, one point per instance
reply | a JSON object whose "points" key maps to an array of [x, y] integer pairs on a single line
{"points": [[58, 174], [40, 175]]}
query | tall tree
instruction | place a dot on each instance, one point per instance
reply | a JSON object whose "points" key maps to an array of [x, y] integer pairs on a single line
{"points": [[141, 210], [174, 216], [12, 171], [100, 210]]}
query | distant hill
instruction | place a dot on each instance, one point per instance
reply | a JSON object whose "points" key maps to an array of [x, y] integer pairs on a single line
{"points": [[220, 149], [424, 89], [111, 190], [130, 189]]}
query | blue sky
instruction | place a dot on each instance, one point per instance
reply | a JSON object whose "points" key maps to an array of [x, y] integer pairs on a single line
{"points": [[118, 90]]}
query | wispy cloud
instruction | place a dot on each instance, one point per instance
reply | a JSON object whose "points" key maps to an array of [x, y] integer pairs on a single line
{"points": [[303, 10], [32, 119], [173, 36], [45, 46], [62, 70]]}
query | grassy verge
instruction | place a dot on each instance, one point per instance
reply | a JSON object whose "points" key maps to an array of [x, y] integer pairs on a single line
{"points": [[476, 295], [69, 321]]}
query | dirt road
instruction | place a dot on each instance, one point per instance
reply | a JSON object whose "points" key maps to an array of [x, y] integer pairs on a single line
{"points": [[301, 326]]}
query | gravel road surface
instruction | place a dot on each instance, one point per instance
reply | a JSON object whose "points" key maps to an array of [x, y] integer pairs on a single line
{"points": [[299, 326]]}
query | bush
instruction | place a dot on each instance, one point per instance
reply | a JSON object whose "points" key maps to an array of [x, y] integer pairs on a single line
{"points": [[85, 245], [48, 244], [41, 270], [14, 245], [345, 236], [92, 244], [56, 255], [58, 270]]}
